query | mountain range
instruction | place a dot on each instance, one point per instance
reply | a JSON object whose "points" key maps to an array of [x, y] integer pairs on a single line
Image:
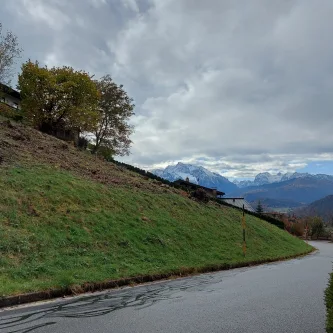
{"points": [[298, 190], [267, 178], [294, 192], [280, 191]]}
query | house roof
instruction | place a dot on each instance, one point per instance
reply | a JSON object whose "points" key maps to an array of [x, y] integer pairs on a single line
{"points": [[195, 186], [9, 91], [238, 202]]}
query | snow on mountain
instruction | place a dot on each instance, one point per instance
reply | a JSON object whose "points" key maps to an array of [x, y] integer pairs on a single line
{"points": [[268, 178], [197, 175], [243, 183], [290, 175], [158, 172], [200, 175], [324, 177]]}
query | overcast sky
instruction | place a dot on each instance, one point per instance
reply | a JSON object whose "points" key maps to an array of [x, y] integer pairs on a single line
{"points": [[239, 87]]}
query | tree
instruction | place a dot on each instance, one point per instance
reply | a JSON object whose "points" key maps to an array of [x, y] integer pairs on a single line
{"points": [[317, 226], [59, 97], [259, 208], [9, 51], [115, 108]]}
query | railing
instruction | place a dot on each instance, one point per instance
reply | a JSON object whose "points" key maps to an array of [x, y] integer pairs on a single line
{"points": [[11, 106], [10, 111]]}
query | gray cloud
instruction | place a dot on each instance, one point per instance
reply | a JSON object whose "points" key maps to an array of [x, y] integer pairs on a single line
{"points": [[239, 87]]}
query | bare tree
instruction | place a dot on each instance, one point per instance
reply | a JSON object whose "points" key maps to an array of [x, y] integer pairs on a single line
{"points": [[9, 51]]}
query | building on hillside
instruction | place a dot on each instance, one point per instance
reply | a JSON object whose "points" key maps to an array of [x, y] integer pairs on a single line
{"points": [[214, 193], [10, 97], [239, 202], [211, 192]]}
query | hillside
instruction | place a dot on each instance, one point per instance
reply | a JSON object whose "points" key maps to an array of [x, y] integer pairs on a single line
{"points": [[67, 218], [197, 175], [322, 208]]}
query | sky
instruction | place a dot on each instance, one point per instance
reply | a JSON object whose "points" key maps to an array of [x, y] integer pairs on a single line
{"points": [[239, 87]]}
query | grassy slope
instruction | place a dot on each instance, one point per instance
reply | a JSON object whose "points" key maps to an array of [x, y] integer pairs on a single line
{"points": [[67, 218], [329, 305], [59, 229]]}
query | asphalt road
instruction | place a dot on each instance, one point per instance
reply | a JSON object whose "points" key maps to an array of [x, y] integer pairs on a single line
{"points": [[280, 297]]}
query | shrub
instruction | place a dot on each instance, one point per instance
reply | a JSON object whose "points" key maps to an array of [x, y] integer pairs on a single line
{"points": [[106, 152], [329, 305], [297, 229], [103, 151], [82, 143], [317, 227]]}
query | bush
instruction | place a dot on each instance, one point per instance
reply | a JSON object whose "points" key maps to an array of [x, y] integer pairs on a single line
{"points": [[82, 143], [297, 229], [317, 227], [329, 305], [102, 151]]}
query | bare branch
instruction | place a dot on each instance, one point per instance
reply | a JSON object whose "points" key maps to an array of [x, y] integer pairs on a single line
{"points": [[9, 52]]}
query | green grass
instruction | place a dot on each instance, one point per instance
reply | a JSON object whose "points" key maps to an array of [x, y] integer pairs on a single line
{"points": [[329, 306], [57, 230]]}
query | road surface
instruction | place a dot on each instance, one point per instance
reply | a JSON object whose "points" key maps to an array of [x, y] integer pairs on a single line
{"points": [[280, 297]]}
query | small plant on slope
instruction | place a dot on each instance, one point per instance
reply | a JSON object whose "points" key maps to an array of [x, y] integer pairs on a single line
{"points": [[329, 306]]}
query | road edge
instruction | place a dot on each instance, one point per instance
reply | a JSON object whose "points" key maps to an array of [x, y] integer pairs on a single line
{"points": [[90, 287]]}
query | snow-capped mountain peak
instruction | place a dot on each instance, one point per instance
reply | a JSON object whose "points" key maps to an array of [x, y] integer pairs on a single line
{"points": [[202, 176], [268, 178], [197, 175]]}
